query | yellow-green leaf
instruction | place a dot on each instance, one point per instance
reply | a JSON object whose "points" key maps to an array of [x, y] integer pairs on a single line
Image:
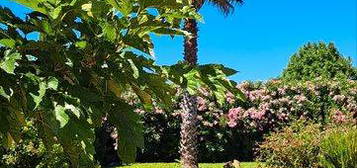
{"points": [[8, 43], [114, 87]]}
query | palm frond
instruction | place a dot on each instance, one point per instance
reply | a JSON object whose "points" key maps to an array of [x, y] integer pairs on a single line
{"points": [[226, 6]]}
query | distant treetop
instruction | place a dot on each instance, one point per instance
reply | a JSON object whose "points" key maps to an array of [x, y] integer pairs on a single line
{"points": [[319, 60]]}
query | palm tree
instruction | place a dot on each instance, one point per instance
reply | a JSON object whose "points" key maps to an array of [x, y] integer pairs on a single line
{"points": [[188, 132]]}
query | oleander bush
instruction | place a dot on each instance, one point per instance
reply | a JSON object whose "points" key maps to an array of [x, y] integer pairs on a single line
{"points": [[231, 131], [275, 104]]}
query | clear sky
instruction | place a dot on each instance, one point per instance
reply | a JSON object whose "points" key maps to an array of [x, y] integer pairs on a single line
{"points": [[261, 35]]}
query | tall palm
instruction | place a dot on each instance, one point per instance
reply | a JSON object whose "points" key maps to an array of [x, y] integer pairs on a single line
{"points": [[188, 141]]}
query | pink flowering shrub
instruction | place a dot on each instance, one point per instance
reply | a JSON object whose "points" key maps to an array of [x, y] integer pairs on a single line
{"points": [[272, 105], [231, 131]]}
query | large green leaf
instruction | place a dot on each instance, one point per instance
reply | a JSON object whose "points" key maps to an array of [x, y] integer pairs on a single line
{"points": [[8, 42], [141, 43], [109, 31], [211, 76], [8, 63], [125, 7], [129, 131], [61, 115], [52, 83]]}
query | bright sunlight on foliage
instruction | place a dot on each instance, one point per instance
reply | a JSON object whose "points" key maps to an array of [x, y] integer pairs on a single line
{"points": [[87, 54]]}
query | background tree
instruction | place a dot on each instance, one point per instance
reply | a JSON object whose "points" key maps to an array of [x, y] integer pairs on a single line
{"points": [[188, 141], [319, 60]]}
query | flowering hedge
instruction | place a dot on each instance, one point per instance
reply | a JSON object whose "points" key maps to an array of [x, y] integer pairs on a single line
{"points": [[275, 104], [231, 130]]}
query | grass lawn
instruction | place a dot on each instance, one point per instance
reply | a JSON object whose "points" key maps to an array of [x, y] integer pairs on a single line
{"points": [[177, 165]]}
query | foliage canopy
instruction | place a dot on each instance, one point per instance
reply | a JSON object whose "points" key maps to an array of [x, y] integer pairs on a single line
{"points": [[319, 60], [88, 53]]}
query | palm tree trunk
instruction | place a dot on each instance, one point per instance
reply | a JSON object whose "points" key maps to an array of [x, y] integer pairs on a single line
{"points": [[188, 142], [190, 44]]}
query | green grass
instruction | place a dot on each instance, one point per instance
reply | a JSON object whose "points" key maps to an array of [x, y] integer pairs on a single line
{"points": [[177, 165]]}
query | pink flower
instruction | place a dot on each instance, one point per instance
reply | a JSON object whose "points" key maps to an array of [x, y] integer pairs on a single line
{"points": [[201, 104], [339, 117], [282, 91], [233, 115], [204, 91], [352, 107], [232, 124], [284, 100], [266, 97], [256, 114], [283, 116], [207, 124], [300, 98], [177, 114], [199, 117], [339, 98], [139, 111], [158, 110], [264, 106], [230, 98], [243, 86]]}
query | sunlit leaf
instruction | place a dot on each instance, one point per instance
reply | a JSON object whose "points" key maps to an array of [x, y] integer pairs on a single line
{"points": [[56, 12], [8, 63], [134, 68], [4, 94], [52, 83], [8, 42], [81, 44], [61, 115], [109, 31]]}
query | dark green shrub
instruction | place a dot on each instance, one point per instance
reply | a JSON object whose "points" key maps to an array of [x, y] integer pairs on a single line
{"points": [[296, 146], [162, 133], [339, 148], [319, 60]]}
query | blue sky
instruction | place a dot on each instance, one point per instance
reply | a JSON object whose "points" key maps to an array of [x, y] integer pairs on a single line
{"points": [[261, 35]]}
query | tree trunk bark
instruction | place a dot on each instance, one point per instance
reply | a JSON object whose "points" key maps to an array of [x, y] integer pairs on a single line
{"points": [[190, 43], [189, 137], [188, 142]]}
